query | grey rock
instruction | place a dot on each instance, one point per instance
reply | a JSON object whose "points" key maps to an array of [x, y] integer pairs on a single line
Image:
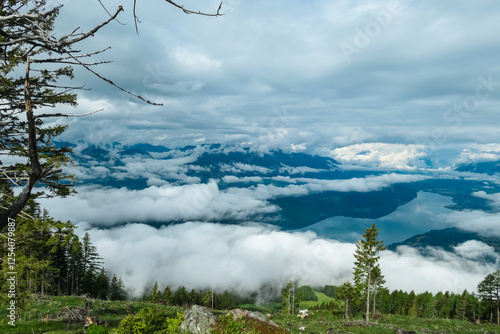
{"points": [[198, 320], [238, 313]]}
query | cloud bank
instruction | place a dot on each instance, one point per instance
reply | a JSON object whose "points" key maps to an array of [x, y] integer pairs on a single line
{"points": [[244, 258], [199, 201]]}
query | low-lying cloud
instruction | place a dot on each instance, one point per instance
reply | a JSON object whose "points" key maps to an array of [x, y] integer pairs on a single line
{"points": [[244, 258], [199, 201]]}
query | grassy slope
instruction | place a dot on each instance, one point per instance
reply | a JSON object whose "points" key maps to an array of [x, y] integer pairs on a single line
{"points": [[324, 320], [322, 298], [113, 312], [35, 319]]}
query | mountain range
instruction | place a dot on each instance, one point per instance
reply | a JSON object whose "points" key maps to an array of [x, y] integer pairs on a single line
{"points": [[306, 190]]}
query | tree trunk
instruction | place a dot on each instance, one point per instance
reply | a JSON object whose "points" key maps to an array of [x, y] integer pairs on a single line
{"points": [[36, 170], [368, 295], [347, 308], [374, 299]]}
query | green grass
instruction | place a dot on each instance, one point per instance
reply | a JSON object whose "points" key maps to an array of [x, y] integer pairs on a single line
{"points": [[322, 321], [322, 298], [34, 319]]}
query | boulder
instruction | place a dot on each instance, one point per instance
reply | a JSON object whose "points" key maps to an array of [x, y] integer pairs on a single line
{"points": [[198, 320], [238, 313]]}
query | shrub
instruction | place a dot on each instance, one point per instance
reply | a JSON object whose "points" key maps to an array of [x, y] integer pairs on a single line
{"points": [[150, 321], [227, 325], [97, 329]]}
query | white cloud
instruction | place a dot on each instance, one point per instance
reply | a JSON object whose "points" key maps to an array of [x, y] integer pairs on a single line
{"points": [[381, 155], [239, 167], [476, 251], [408, 270], [488, 153], [110, 206], [299, 170], [234, 179], [243, 258], [191, 60], [201, 255], [369, 183], [494, 199], [164, 202], [487, 224]]}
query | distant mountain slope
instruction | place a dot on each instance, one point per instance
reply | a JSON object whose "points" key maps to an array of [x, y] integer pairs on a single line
{"points": [[148, 148], [294, 182], [446, 239], [486, 167], [303, 211]]}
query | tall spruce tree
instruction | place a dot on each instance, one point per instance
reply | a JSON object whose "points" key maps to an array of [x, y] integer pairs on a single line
{"points": [[366, 260], [489, 292], [168, 296]]}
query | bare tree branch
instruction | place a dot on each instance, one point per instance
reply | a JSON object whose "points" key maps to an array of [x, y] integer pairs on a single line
{"points": [[28, 16], [107, 11], [113, 84], [185, 10], [68, 115], [93, 31]]}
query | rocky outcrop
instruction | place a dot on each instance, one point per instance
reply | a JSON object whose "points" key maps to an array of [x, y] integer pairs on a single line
{"points": [[198, 320], [239, 313]]}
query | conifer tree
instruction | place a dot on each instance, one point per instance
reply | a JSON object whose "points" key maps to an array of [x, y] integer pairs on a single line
{"points": [[101, 285], [366, 259], [155, 294], [208, 298], [181, 296], [116, 291], [489, 292], [122, 294], [286, 306], [349, 293], [74, 270], [168, 296]]}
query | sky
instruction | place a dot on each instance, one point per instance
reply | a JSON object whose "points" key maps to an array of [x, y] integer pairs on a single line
{"points": [[372, 84], [312, 74]]}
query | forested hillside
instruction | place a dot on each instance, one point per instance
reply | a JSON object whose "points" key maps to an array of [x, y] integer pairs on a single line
{"points": [[51, 261]]}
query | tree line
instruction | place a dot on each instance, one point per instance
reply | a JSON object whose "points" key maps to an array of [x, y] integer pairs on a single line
{"points": [[367, 295], [50, 259], [182, 297]]}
